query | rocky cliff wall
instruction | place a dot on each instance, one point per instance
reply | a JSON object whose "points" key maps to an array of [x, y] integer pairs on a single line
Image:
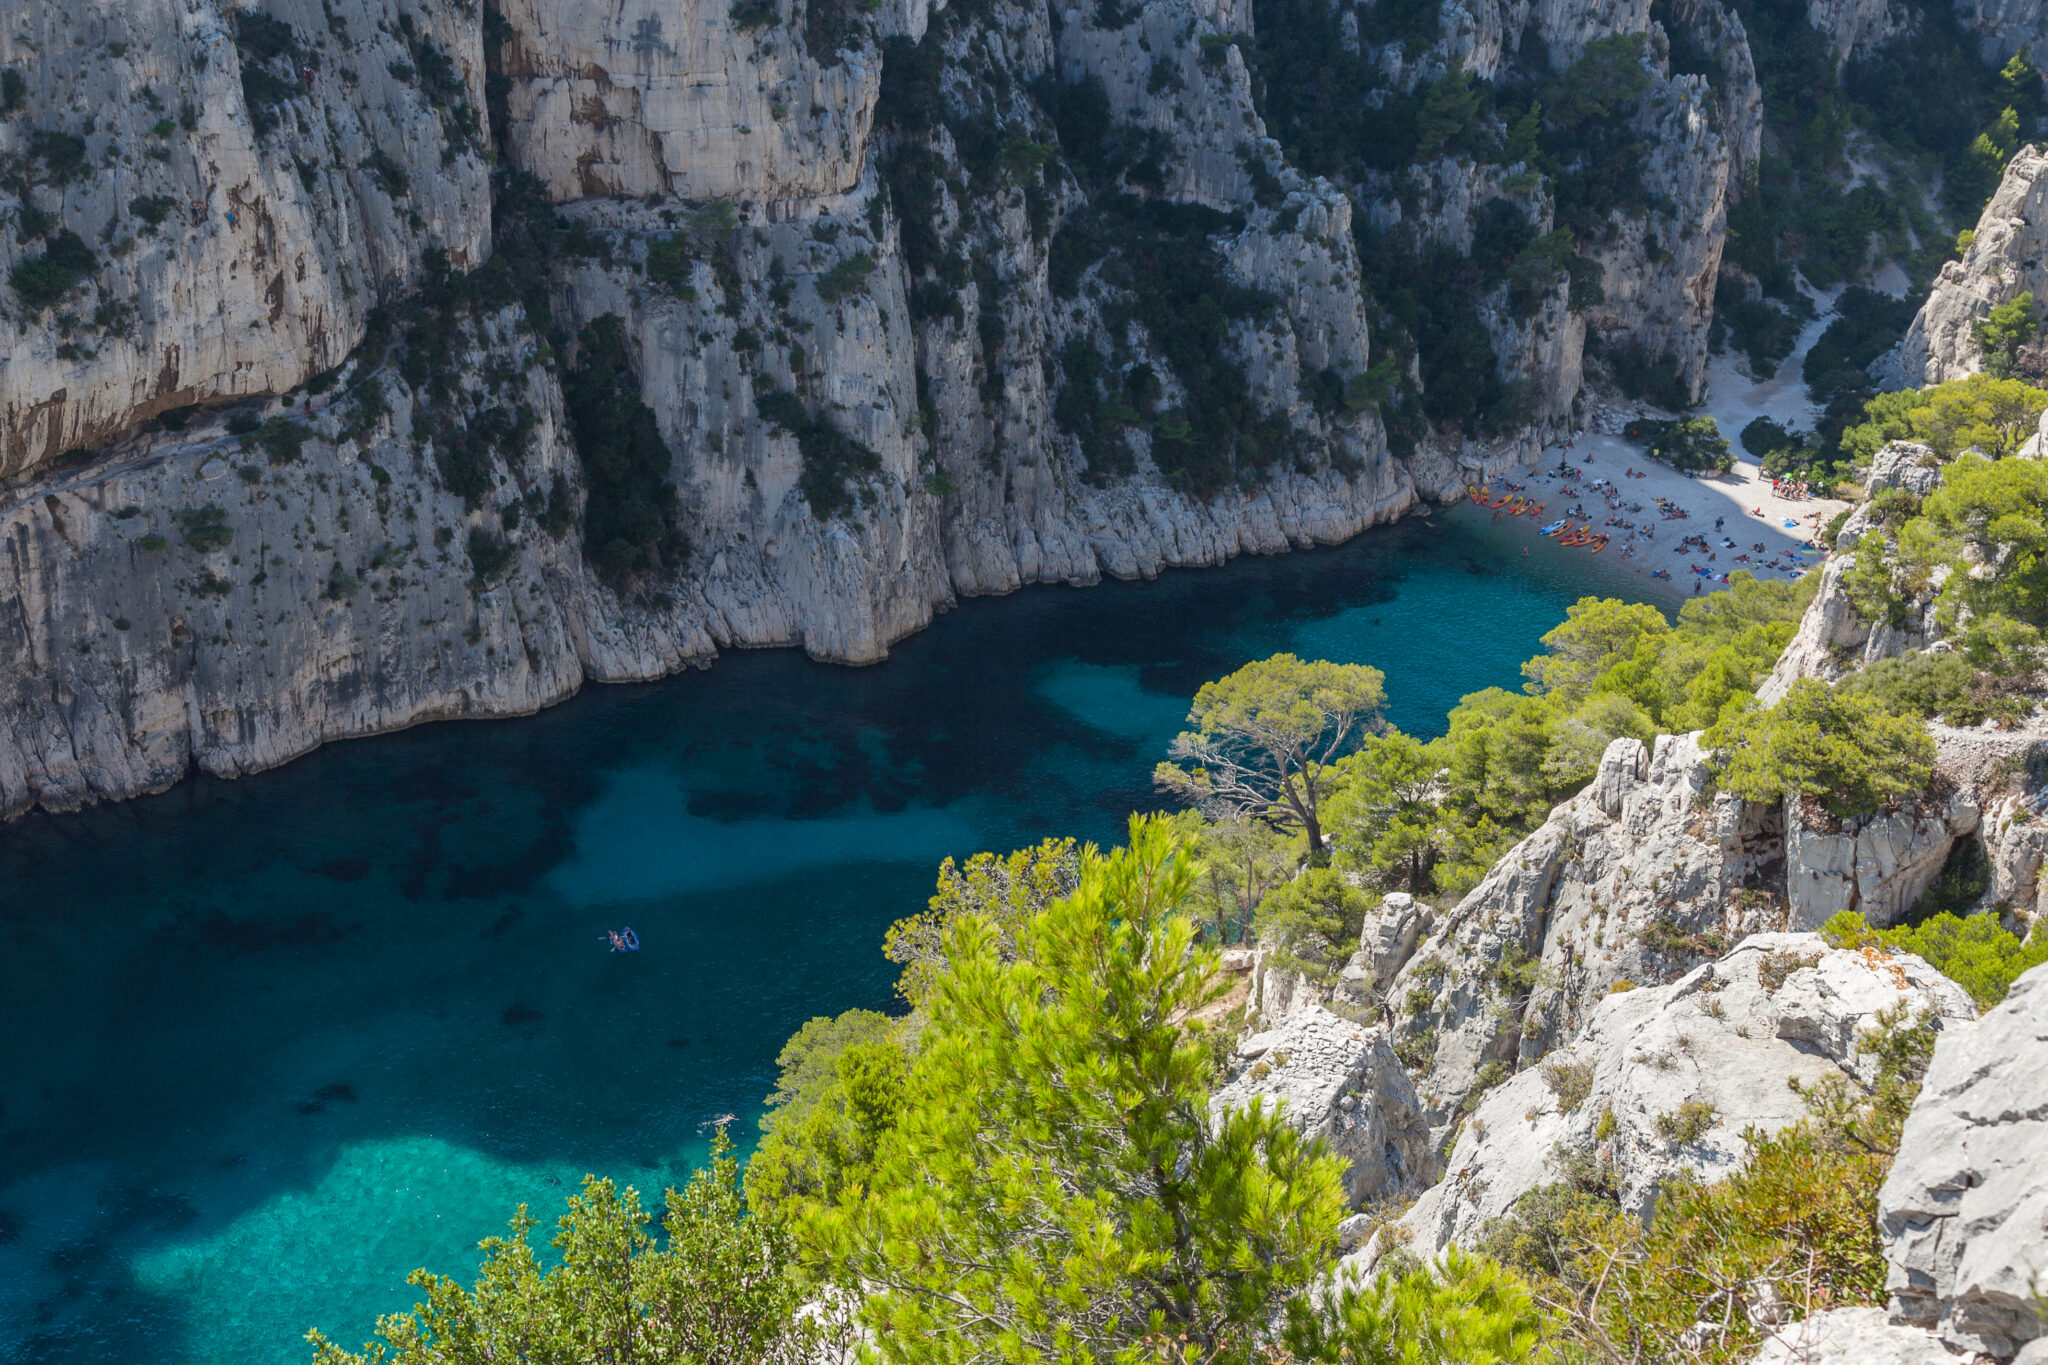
{"points": [[2005, 258], [903, 344], [243, 194]]}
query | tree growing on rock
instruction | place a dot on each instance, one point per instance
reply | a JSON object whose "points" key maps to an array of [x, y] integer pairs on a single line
{"points": [[1055, 1187], [1267, 739], [1311, 925], [1838, 746]]}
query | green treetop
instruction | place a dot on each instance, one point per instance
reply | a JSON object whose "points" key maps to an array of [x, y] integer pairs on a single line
{"points": [[1054, 1187], [1266, 738]]}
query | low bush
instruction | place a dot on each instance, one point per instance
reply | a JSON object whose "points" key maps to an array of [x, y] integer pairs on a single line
{"points": [[1977, 952], [629, 526], [48, 276], [831, 457], [1692, 445], [205, 528], [845, 279]]}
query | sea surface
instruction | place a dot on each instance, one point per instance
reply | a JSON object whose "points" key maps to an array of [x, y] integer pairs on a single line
{"points": [[267, 1045]]}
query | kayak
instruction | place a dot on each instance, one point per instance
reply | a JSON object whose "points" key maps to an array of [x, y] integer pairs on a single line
{"points": [[1555, 527]]}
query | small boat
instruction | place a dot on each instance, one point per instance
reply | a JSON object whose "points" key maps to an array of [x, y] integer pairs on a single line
{"points": [[623, 940], [1599, 544], [1555, 527]]}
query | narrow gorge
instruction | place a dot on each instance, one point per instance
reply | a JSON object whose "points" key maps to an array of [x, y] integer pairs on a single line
{"points": [[923, 305], [1550, 942]]}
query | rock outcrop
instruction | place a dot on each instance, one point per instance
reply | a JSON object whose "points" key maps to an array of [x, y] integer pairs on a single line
{"points": [[1638, 880], [1339, 1081], [1833, 637], [1665, 1080], [2008, 256], [1964, 1213], [1851, 1336], [1877, 865]]}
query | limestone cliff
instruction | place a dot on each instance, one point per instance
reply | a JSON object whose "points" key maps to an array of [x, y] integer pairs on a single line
{"points": [[230, 193], [925, 303], [2004, 259]]}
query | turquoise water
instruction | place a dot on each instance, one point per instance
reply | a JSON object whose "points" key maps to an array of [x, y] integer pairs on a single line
{"points": [[270, 1044]]}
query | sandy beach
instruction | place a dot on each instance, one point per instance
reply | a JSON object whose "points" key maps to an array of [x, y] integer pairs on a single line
{"points": [[1626, 494]]}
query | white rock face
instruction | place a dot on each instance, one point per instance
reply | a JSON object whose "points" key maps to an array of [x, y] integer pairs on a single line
{"points": [[298, 232], [1833, 638], [1856, 25], [1851, 1336], [1637, 879], [1673, 1075], [191, 604], [1339, 1081], [2006, 258], [2003, 27], [372, 151], [1964, 1213], [1877, 865], [629, 100]]}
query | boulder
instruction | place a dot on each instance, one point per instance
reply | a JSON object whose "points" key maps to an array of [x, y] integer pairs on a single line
{"points": [[1852, 1336], [1341, 1082], [1666, 1080], [1964, 1213]]}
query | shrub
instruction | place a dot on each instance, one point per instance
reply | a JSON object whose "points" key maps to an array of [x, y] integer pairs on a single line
{"points": [[1690, 444], [150, 208], [1687, 1123], [205, 528], [845, 279], [280, 438], [62, 154], [1796, 1223], [669, 262], [43, 279], [1653, 379], [1570, 1082], [1764, 331], [1834, 744], [629, 516], [1976, 952], [1926, 685], [489, 557], [831, 457], [1311, 924], [391, 176]]}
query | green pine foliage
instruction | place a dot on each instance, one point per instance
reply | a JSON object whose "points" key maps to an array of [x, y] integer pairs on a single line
{"points": [[629, 520], [1975, 951], [1431, 817], [1053, 1186], [1835, 745], [1310, 924], [716, 1285]]}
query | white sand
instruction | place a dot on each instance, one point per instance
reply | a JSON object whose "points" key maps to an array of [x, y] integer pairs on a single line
{"points": [[1733, 400]]}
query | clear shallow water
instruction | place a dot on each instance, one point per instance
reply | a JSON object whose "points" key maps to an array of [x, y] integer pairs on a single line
{"points": [[270, 1044]]}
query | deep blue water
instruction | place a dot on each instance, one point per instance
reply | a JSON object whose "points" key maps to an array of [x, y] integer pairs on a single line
{"points": [[267, 1045]]}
